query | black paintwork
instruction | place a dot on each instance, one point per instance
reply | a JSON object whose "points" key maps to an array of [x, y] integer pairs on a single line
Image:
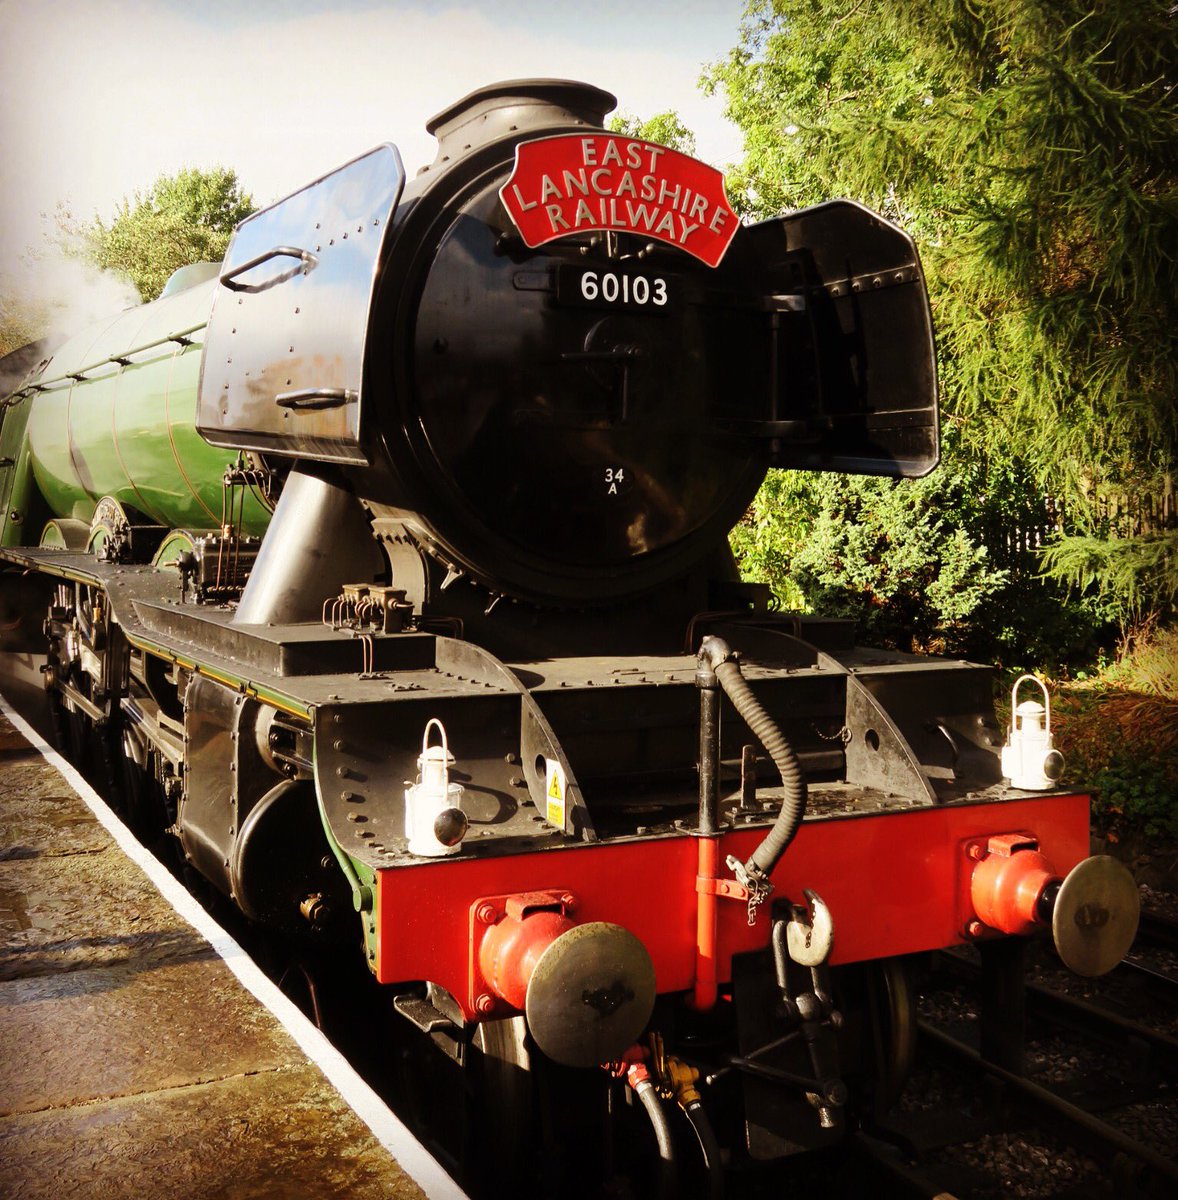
{"points": [[558, 450]]}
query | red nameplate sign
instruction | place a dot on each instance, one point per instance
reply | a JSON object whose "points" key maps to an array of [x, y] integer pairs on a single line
{"points": [[578, 182]]}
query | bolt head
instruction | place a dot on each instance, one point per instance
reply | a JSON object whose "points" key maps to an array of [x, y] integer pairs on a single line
{"points": [[975, 929], [976, 851], [486, 913], [484, 1004]]}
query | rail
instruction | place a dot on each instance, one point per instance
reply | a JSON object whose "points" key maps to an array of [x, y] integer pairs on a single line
{"points": [[1091, 1021], [1098, 1138], [1078, 1099]]}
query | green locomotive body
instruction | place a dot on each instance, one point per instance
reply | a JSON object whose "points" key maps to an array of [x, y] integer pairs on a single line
{"points": [[111, 413]]}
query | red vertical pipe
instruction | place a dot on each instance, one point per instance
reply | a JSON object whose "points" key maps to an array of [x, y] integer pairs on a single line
{"points": [[705, 923]]}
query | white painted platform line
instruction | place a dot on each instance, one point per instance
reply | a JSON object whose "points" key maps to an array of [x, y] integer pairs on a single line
{"points": [[414, 1158]]}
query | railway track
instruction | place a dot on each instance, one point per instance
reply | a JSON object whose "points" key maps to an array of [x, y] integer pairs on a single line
{"points": [[1093, 1111], [1130, 1160]]}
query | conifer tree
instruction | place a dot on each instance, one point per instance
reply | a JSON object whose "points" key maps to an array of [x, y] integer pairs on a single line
{"points": [[1031, 147]]}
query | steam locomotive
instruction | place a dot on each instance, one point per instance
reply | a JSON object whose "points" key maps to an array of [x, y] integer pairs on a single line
{"points": [[386, 576]]}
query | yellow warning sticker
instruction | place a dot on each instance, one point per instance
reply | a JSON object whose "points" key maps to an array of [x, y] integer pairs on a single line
{"points": [[555, 789]]}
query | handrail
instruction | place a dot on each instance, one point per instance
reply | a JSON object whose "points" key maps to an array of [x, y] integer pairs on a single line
{"points": [[306, 260], [181, 336]]}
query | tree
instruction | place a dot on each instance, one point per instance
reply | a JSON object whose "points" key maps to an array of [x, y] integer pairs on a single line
{"points": [[1031, 146], [183, 218], [664, 129]]}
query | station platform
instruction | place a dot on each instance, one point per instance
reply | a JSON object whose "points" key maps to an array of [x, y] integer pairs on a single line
{"points": [[141, 1053]]}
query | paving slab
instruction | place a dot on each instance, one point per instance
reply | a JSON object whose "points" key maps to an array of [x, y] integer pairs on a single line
{"points": [[282, 1135], [133, 1062], [175, 1041], [70, 912], [49, 818]]}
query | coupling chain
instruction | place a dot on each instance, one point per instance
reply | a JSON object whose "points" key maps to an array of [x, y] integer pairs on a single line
{"points": [[842, 735], [757, 887]]}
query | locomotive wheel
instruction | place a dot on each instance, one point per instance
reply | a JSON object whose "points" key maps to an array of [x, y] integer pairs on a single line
{"points": [[879, 1003], [75, 735], [73, 732], [894, 1005], [143, 803], [59, 724]]}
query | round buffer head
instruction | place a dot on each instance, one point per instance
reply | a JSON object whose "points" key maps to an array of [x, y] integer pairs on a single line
{"points": [[1095, 917], [591, 995]]}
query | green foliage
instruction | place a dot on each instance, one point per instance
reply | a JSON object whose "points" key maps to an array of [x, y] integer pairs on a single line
{"points": [[1136, 571], [885, 554], [1132, 793], [890, 554], [1031, 146], [183, 218], [924, 564], [665, 129]]}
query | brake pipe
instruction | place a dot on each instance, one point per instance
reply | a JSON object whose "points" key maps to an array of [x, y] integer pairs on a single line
{"points": [[706, 914], [709, 1147], [718, 667], [761, 863], [681, 1078], [634, 1070]]}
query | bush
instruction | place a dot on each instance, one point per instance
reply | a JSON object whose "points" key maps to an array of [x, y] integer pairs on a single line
{"points": [[1131, 794], [939, 564]]}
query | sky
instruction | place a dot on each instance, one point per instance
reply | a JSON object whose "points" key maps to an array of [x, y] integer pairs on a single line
{"points": [[98, 98]]}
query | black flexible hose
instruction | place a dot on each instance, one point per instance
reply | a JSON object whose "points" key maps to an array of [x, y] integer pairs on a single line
{"points": [[662, 1132], [793, 804], [709, 1147]]}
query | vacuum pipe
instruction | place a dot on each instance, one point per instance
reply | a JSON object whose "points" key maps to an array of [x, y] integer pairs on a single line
{"points": [[759, 866]]}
